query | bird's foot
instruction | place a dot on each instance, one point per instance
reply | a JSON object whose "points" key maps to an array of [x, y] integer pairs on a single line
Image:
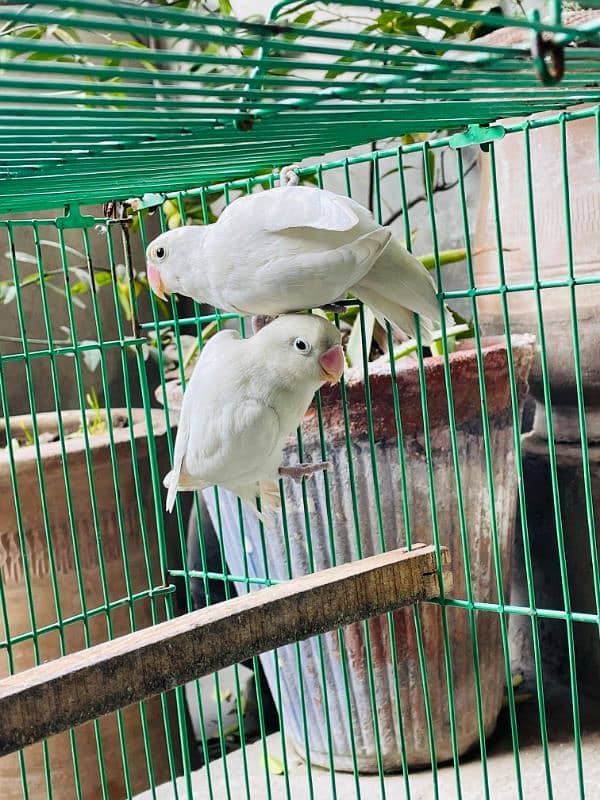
{"points": [[334, 308], [300, 472], [259, 321]]}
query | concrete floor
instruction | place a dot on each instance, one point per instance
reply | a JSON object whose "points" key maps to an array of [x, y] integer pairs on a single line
{"points": [[501, 768]]}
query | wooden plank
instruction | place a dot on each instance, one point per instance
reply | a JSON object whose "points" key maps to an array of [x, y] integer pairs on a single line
{"points": [[67, 691]]}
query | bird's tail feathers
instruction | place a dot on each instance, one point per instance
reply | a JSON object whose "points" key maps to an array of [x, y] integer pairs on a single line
{"points": [[401, 317], [269, 495], [398, 285], [184, 484], [270, 500]]}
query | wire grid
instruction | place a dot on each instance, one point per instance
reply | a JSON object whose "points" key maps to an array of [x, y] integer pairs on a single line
{"points": [[157, 109], [159, 586]]}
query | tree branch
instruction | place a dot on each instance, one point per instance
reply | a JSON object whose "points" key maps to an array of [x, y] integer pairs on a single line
{"points": [[421, 198]]}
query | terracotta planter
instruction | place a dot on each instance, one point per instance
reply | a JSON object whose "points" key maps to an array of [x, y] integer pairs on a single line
{"points": [[12, 569], [552, 253], [477, 511], [544, 553], [584, 194]]}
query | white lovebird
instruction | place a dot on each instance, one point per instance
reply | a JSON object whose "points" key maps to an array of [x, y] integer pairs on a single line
{"points": [[293, 248], [244, 399]]}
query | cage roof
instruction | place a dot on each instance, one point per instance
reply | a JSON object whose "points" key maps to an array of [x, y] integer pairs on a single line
{"points": [[105, 100]]}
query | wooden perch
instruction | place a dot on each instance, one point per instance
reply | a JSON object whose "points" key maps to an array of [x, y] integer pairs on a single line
{"points": [[67, 691]]}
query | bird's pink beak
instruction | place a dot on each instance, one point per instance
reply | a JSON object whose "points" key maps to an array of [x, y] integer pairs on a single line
{"points": [[332, 363], [155, 281]]}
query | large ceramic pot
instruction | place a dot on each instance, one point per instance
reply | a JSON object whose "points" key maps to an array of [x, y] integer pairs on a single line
{"points": [[353, 711], [26, 559], [552, 258], [552, 253], [579, 559]]}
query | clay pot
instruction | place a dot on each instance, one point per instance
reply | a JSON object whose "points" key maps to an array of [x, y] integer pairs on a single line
{"points": [[537, 474], [552, 254], [246, 552], [142, 576], [551, 241]]}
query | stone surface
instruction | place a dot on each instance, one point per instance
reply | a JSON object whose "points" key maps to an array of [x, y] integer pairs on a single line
{"points": [[500, 763]]}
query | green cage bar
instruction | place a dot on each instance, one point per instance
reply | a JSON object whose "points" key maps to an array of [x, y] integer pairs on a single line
{"points": [[166, 113]]}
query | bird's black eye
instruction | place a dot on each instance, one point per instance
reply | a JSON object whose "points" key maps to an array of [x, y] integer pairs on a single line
{"points": [[160, 252], [302, 346]]}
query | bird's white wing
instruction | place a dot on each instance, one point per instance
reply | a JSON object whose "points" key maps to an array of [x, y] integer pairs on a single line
{"points": [[211, 354], [214, 347], [232, 442], [289, 249], [300, 280], [181, 442], [299, 207]]}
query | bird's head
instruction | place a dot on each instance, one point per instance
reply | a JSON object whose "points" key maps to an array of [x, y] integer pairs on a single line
{"points": [[306, 348], [170, 256]]}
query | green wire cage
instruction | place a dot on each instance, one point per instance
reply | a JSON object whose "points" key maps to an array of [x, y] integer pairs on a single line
{"points": [[476, 135]]}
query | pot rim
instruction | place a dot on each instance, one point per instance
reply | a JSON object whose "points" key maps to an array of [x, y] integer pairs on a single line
{"points": [[466, 350], [47, 421]]}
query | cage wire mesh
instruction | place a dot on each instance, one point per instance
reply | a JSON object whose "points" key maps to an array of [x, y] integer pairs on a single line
{"points": [[427, 449]]}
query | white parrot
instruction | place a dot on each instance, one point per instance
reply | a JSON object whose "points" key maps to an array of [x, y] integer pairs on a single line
{"points": [[244, 399], [293, 248]]}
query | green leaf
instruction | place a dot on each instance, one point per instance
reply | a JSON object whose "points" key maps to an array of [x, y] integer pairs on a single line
{"points": [[452, 333], [445, 257], [305, 18], [30, 32], [149, 66], [437, 346], [58, 290], [275, 765], [65, 35], [405, 349], [51, 57], [225, 8], [28, 434], [79, 288], [430, 167], [84, 284], [92, 398], [125, 299], [102, 277]]}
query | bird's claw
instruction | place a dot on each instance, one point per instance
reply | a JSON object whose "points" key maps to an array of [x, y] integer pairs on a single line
{"points": [[299, 472]]}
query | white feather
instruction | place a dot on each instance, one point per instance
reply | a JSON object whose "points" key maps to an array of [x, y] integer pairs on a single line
{"points": [[244, 399], [292, 248]]}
